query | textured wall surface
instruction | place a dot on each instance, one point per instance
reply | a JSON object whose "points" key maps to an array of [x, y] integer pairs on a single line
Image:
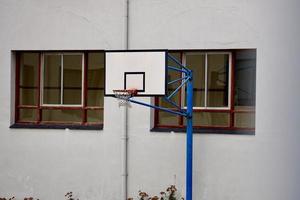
{"points": [[48, 163]]}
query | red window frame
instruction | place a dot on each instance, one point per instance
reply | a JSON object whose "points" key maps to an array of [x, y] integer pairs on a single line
{"points": [[39, 108], [231, 111]]}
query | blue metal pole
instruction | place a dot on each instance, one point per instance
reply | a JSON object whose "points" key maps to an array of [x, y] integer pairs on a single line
{"points": [[189, 139], [189, 117]]}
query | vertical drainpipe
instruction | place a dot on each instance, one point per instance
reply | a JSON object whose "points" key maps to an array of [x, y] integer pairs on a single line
{"points": [[124, 137], [127, 26], [124, 149]]}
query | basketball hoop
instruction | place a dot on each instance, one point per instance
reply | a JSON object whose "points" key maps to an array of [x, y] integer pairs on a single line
{"points": [[124, 95]]}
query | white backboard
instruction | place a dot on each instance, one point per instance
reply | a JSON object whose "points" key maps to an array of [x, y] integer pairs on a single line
{"points": [[141, 70]]}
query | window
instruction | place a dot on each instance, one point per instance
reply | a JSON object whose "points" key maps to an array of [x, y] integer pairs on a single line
{"points": [[62, 79], [224, 92], [60, 89]]}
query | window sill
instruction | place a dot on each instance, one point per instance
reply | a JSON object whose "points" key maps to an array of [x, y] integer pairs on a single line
{"points": [[57, 126], [206, 130]]}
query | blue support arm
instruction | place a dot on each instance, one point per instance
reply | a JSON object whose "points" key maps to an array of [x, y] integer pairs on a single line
{"points": [[176, 80], [158, 107], [173, 103], [176, 69], [177, 89], [177, 62]]}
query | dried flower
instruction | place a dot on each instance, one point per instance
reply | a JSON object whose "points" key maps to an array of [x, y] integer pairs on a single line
{"points": [[170, 194], [154, 198]]}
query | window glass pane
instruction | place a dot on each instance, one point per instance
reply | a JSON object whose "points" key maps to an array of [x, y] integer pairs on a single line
{"points": [[61, 115], [96, 70], [52, 79], [196, 62], [245, 78], [176, 55], [172, 75], [95, 79], [95, 97], [95, 116], [217, 80], [244, 120], [29, 69], [28, 115], [28, 96], [72, 66], [29, 63], [72, 96], [165, 118], [245, 108], [175, 99], [210, 119]]}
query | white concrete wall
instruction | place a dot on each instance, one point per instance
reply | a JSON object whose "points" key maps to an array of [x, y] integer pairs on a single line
{"points": [[48, 163]]}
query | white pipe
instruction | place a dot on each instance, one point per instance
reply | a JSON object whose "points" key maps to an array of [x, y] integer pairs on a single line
{"points": [[124, 154], [127, 25], [124, 137]]}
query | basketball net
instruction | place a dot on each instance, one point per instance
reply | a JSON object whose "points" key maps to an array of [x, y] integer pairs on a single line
{"points": [[124, 95]]}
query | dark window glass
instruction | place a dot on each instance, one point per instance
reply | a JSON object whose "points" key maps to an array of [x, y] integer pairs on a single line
{"points": [[94, 116], [72, 79], [62, 116], [173, 75], [61, 88], [245, 78], [217, 80], [213, 119], [196, 62], [29, 63], [95, 81], [52, 79], [213, 74], [244, 120], [167, 118], [27, 115]]}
